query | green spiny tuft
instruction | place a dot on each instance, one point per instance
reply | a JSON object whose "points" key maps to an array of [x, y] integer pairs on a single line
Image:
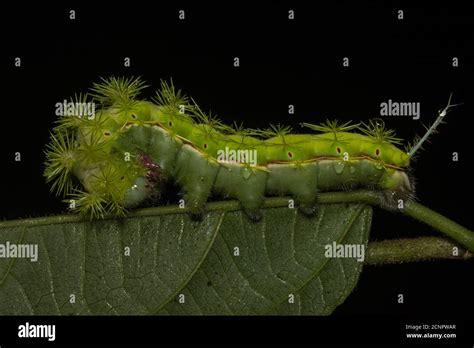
{"points": [[105, 200], [60, 158], [92, 149], [119, 92], [332, 126], [93, 204], [170, 98], [236, 129], [377, 131], [99, 129], [107, 180], [204, 118], [275, 131]]}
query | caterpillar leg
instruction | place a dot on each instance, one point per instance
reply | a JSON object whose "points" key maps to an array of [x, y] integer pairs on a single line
{"points": [[247, 184], [196, 175], [296, 180], [252, 194]]}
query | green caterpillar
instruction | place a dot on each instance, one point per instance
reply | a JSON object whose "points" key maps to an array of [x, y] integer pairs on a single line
{"points": [[122, 154]]}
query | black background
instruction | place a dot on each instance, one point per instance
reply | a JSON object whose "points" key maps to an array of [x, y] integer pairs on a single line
{"points": [[282, 62]]}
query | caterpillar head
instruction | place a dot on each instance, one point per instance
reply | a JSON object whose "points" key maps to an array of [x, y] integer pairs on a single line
{"points": [[396, 164], [398, 181]]}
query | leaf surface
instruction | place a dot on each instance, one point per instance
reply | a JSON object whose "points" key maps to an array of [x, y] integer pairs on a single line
{"points": [[170, 264]]}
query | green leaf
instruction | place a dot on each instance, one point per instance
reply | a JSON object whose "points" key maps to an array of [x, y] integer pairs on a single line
{"points": [[88, 259], [281, 255], [171, 256]]}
